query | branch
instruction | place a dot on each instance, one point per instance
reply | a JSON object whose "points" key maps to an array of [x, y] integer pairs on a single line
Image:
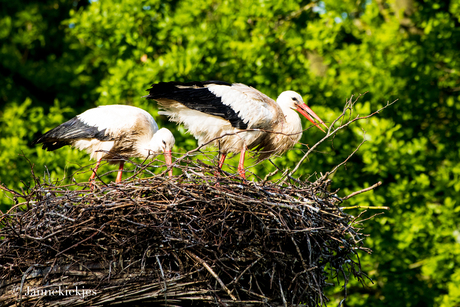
{"points": [[210, 270], [345, 161], [331, 132], [363, 190]]}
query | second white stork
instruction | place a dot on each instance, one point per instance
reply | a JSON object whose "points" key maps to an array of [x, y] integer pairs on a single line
{"points": [[108, 132], [238, 117]]}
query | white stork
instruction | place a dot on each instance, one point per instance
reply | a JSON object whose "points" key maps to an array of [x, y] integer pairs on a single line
{"points": [[107, 132], [214, 109]]}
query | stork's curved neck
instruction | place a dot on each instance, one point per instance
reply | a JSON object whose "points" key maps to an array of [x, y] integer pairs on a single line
{"points": [[149, 147], [162, 141], [292, 123]]}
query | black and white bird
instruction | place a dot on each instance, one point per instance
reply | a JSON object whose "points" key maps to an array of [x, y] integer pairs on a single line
{"points": [[238, 117], [108, 132]]}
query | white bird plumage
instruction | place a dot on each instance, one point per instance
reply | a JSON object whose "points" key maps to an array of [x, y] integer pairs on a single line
{"points": [[248, 118], [110, 131]]}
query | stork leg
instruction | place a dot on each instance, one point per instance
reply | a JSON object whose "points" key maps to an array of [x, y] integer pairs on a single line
{"points": [[221, 163], [168, 160], [120, 172], [93, 175], [95, 170], [241, 164], [222, 159]]}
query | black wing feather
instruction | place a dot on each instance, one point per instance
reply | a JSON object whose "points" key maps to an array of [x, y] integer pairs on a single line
{"points": [[69, 132], [194, 95]]}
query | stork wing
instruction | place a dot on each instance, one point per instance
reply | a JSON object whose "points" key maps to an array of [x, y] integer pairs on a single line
{"points": [[253, 106], [239, 104], [68, 132], [104, 123]]}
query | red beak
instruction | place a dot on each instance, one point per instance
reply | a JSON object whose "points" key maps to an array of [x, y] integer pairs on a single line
{"points": [[168, 159], [306, 111]]}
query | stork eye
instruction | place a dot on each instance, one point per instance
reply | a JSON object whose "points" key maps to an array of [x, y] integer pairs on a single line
{"points": [[164, 142], [295, 99]]}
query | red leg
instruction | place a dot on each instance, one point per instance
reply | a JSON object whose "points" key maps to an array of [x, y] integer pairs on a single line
{"points": [[241, 164], [168, 160], [95, 170], [120, 172], [222, 159], [93, 175]]}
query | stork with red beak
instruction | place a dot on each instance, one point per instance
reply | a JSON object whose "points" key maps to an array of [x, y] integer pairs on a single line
{"points": [[238, 117], [108, 132]]}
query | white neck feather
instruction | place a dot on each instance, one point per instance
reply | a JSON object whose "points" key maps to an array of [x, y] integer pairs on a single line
{"points": [[293, 123], [161, 141], [149, 148]]}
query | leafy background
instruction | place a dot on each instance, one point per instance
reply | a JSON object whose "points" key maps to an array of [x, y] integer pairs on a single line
{"points": [[59, 58]]}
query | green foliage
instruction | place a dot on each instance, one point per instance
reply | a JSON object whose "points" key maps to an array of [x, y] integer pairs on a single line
{"points": [[19, 123], [58, 58]]}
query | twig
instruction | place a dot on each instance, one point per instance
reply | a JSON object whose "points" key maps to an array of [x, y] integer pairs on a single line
{"points": [[203, 263], [163, 277], [331, 131], [363, 190], [366, 207], [282, 293], [24, 276], [345, 161]]}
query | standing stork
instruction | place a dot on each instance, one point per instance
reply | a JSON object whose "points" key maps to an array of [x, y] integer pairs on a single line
{"points": [[107, 132], [237, 116]]}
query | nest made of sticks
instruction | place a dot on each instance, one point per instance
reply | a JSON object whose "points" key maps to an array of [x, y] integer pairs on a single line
{"points": [[200, 236], [204, 236]]}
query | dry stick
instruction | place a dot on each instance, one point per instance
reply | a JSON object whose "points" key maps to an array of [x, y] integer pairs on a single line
{"points": [[22, 283], [345, 161], [11, 191], [348, 105], [84, 240], [203, 263], [366, 207], [350, 224], [272, 173], [51, 268], [362, 191], [366, 219], [7, 214], [282, 293], [142, 167], [300, 254], [244, 271], [56, 232], [333, 132], [163, 276]]}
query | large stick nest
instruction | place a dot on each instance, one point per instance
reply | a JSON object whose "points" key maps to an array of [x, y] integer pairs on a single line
{"points": [[201, 237], [198, 236]]}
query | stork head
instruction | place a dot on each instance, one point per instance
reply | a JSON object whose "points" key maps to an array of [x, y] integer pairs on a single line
{"points": [[294, 101], [162, 141]]}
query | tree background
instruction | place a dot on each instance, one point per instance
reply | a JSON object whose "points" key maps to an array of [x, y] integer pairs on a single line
{"points": [[59, 58]]}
